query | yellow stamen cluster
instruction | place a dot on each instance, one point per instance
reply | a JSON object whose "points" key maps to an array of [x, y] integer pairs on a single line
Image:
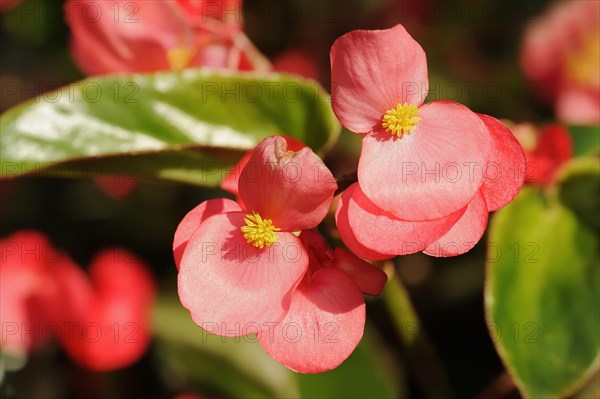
{"points": [[179, 57], [401, 119], [258, 231]]}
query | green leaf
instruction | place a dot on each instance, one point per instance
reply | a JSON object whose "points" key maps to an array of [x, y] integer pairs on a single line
{"points": [[586, 139], [579, 189], [211, 362], [168, 125], [541, 296]]}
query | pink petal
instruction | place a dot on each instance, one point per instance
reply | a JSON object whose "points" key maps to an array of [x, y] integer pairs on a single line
{"points": [[116, 336], [117, 273], [213, 56], [430, 173], [369, 279], [554, 40], [319, 251], [343, 224], [373, 71], [29, 295], [323, 326], [505, 172], [94, 56], [233, 288], [465, 233], [132, 37], [230, 183], [108, 325], [190, 222], [293, 189], [579, 106], [78, 295], [228, 11], [383, 233], [541, 52]]}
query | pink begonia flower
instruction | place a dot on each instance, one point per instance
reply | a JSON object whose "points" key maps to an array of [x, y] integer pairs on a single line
{"points": [[359, 220], [238, 267], [326, 318], [106, 320], [428, 173], [546, 151], [29, 295], [561, 53], [102, 322], [146, 36]]}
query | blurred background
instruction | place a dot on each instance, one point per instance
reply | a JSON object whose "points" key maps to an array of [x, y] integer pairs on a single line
{"points": [[473, 49]]}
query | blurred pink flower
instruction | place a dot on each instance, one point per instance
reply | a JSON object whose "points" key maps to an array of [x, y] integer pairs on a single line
{"points": [[561, 52], [424, 170], [29, 294], [106, 324], [546, 150], [102, 322], [147, 36]]}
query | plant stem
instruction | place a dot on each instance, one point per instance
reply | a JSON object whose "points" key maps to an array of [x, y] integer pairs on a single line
{"points": [[422, 361]]}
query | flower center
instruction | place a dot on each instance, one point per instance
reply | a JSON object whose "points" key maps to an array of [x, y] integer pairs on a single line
{"points": [[401, 119], [179, 57], [258, 231]]}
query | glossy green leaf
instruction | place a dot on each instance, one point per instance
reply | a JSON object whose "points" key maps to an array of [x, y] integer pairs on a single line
{"points": [[232, 367], [579, 189], [586, 139], [185, 126], [541, 295]]}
